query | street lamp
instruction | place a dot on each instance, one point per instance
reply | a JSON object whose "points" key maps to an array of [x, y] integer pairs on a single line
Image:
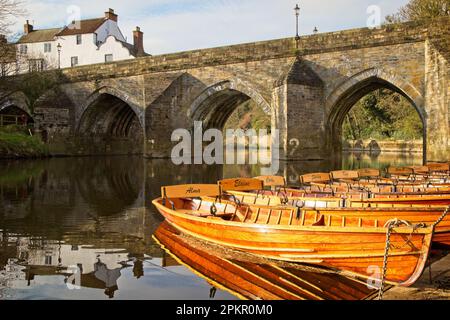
{"points": [[297, 14], [59, 55]]}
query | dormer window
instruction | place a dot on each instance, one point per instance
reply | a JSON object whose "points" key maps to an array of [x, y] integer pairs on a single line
{"points": [[78, 38]]}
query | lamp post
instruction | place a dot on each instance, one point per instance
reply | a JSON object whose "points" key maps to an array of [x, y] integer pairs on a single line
{"points": [[297, 14], [59, 55]]}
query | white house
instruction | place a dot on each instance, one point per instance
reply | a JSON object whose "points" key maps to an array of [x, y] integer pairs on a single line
{"points": [[80, 43]]}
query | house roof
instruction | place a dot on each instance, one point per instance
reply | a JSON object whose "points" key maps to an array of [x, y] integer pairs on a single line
{"points": [[85, 26], [39, 35]]}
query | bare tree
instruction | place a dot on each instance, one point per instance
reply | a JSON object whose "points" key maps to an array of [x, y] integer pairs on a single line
{"points": [[9, 11], [421, 10]]}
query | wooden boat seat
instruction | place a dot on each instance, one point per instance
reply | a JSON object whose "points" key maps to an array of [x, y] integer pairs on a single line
{"points": [[205, 214]]}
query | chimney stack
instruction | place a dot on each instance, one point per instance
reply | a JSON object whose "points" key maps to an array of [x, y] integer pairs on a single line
{"points": [[111, 15], [27, 28], [138, 37]]}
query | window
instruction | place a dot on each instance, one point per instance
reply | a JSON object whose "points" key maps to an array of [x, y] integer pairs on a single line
{"points": [[47, 47], [95, 39], [48, 260], [108, 57], [74, 61], [23, 49], [78, 38], [35, 65], [3, 72]]}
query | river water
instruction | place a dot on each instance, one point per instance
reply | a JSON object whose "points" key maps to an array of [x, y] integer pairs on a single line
{"points": [[93, 217]]}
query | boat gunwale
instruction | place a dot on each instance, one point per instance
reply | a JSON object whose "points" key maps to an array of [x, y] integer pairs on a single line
{"points": [[399, 230]]}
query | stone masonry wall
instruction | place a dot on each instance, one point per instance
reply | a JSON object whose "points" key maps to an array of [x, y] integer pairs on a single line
{"points": [[437, 103], [162, 90]]}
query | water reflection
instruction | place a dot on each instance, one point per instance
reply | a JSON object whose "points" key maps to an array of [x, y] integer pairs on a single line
{"points": [[248, 278], [95, 215]]}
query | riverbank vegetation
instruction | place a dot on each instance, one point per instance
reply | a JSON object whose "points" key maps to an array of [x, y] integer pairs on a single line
{"points": [[383, 115], [249, 116], [16, 142]]}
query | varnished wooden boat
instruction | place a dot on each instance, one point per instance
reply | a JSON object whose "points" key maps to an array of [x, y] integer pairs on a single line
{"points": [[248, 278], [428, 195], [281, 234], [371, 181], [337, 209], [380, 216]]}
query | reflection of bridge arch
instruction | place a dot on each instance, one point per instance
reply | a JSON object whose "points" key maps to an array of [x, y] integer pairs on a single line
{"points": [[216, 104], [346, 95], [110, 187]]}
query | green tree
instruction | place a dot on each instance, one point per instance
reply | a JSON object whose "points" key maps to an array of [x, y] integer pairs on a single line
{"points": [[249, 116], [383, 114], [420, 10]]}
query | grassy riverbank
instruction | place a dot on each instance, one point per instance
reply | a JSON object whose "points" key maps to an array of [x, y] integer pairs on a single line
{"points": [[17, 143]]}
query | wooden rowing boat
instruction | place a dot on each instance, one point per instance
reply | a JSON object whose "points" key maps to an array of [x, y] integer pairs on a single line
{"points": [[428, 196], [249, 278], [380, 211], [380, 216], [281, 234]]}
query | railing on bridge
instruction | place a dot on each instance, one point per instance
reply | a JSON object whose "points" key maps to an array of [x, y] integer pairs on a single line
{"points": [[7, 119]]}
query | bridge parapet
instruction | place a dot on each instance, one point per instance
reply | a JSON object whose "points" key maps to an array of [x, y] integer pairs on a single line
{"points": [[265, 50]]}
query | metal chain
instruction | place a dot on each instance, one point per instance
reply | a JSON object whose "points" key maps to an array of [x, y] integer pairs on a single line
{"points": [[391, 224], [386, 254], [442, 217]]}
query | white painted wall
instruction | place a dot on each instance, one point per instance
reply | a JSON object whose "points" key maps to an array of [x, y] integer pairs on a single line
{"points": [[109, 28], [87, 52], [36, 51], [114, 47]]}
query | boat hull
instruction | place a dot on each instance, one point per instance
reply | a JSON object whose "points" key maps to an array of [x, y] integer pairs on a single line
{"points": [[357, 251], [249, 279]]}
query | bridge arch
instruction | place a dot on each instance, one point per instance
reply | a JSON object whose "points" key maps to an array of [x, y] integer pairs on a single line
{"points": [[111, 91], [341, 100], [216, 103], [110, 119], [15, 104]]}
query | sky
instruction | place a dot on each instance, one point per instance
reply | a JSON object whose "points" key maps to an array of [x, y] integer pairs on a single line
{"points": [[179, 25]]}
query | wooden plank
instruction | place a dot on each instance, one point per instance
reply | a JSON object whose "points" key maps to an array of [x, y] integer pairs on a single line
{"points": [[369, 173], [257, 215], [437, 166], [279, 217], [272, 181], [291, 217], [420, 169], [268, 216], [241, 184], [302, 222], [344, 174], [401, 171], [315, 177], [191, 191], [246, 214]]}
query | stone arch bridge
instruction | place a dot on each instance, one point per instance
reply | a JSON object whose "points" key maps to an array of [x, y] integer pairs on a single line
{"points": [[133, 106]]}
